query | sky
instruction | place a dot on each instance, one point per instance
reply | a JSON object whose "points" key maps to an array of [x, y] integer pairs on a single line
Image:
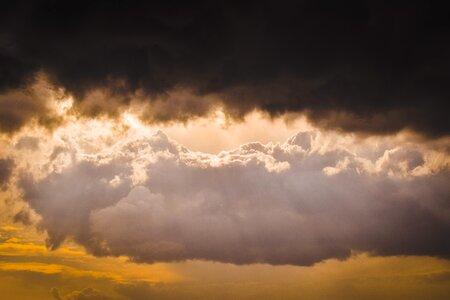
{"points": [[224, 150]]}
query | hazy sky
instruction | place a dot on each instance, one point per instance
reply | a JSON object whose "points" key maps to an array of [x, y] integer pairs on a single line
{"points": [[224, 150]]}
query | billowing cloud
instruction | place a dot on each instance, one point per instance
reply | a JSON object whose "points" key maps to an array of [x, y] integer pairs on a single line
{"points": [[35, 103], [311, 198], [363, 66]]}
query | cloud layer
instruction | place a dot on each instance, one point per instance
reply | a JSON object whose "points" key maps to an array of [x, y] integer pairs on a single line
{"points": [[299, 202], [364, 66]]}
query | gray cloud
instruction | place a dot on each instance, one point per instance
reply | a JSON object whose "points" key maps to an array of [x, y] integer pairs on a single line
{"points": [[293, 203], [20, 107]]}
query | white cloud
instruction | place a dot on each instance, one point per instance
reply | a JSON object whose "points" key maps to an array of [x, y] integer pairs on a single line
{"points": [[313, 197]]}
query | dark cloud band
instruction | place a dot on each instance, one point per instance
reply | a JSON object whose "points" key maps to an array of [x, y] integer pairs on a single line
{"points": [[365, 66]]}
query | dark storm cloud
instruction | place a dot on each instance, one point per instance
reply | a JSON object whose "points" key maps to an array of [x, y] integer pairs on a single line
{"points": [[299, 202], [370, 66]]}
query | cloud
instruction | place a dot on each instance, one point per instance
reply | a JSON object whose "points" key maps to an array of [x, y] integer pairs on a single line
{"points": [[6, 168], [85, 294], [436, 278], [24, 217], [364, 66], [55, 294], [139, 291], [20, 107], [299, 202]]}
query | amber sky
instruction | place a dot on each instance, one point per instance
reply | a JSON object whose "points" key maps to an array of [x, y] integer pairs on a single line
{"points": [[224, 150]]}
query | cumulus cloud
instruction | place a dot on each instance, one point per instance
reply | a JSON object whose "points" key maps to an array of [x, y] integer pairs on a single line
{"points": [[299, 202], [363, 66]]}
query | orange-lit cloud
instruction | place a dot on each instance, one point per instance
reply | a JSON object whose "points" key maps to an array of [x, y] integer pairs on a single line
{"points": [[68, 271], [340, 192]]}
